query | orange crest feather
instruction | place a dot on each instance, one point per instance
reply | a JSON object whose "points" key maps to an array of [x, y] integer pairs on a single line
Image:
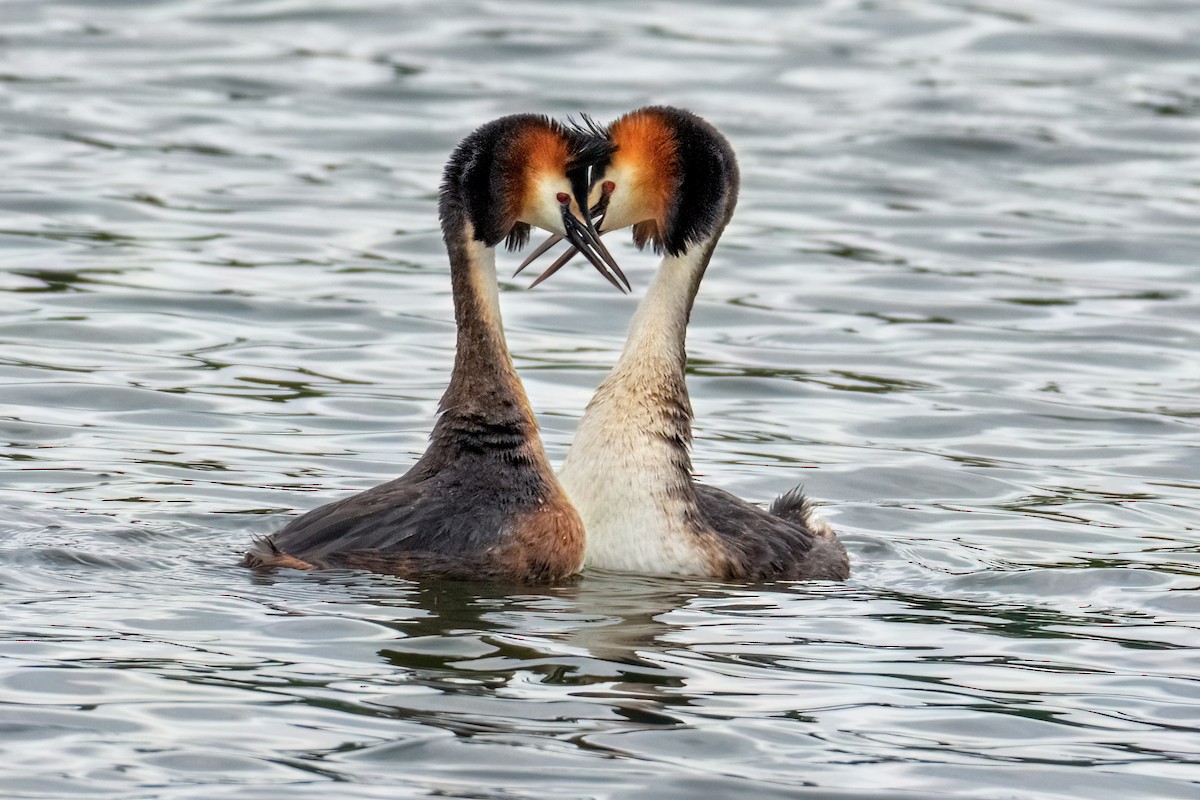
{"points": [[647, 149], [539, 151]]}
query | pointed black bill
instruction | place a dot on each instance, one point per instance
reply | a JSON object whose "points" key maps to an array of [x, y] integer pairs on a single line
{"points": [[603, 251], [597, 211], [551, 240], [567, 255], [586, 240]]}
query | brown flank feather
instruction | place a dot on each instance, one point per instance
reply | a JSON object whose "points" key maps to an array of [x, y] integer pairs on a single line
{"points": [[547, 544]]}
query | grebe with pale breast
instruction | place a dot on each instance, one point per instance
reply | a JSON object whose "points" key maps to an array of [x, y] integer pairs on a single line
{"points": [[482, 502], [674, 178]]}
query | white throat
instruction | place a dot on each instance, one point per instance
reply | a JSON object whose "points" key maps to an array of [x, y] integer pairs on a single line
{"points": [[483, 276]]}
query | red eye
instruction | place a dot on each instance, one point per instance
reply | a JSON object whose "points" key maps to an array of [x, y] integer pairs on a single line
{"points": [[564, 198]]}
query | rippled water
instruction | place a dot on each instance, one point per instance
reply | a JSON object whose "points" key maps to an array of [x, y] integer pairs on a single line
{"points": [[958, 302]]}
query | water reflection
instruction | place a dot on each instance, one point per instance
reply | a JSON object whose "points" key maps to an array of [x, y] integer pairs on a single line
{"points": [[957, 302]]}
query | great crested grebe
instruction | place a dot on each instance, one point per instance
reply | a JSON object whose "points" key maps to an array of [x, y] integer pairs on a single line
{"points": [[482, 502], [674, 178]]}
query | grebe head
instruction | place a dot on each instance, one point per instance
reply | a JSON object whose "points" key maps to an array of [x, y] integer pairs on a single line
{"points": [[673, 177], [520, 171]]}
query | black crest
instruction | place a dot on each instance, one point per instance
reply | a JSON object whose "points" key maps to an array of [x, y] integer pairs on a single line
{"points": [[473, 184], [707, 181], [592, 146], [477, 182], [591, 152]]}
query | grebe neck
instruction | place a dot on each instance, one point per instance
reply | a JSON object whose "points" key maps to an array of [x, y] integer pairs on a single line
{"points": [[629, 470], [647, 389], [485, 403], [657, 338]]}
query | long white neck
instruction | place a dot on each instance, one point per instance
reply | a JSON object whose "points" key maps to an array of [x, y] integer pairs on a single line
{"points": [[483, 275], [629, 470], [657, 334]]}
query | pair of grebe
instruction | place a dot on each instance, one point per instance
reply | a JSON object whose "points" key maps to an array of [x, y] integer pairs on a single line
{"points": [[483, 502]]}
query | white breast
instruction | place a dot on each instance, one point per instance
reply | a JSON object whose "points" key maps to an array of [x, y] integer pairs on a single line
{"points": [[618, 473]]}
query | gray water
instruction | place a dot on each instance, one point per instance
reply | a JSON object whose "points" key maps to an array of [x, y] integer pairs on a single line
{"points": [[957, 302]]}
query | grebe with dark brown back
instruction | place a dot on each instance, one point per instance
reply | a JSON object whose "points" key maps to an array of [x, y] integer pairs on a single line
{"points": [[674, 178], [482, 502]]}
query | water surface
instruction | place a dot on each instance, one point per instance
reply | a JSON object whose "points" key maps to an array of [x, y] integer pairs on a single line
{"points": [[957, 302]]}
